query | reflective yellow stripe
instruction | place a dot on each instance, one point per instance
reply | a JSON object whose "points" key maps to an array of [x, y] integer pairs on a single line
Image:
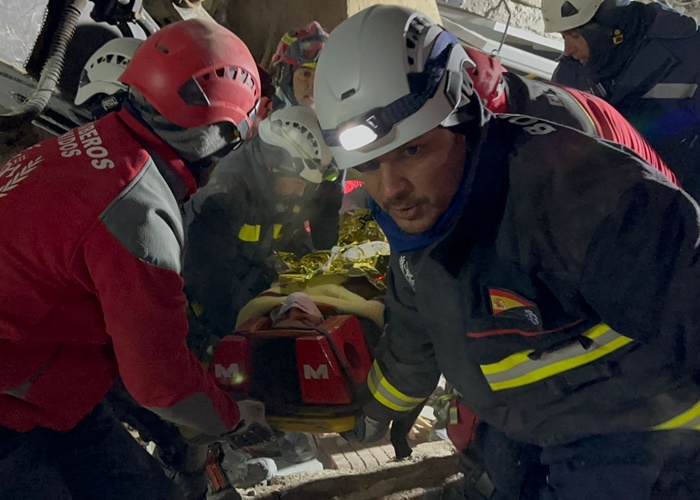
{"points": [[689, 419], [249, 233], [454, 415], [197, 308], [393, 390], [276, 230], [387, 394], [585, 111], [289, 39], [524, 356], [519, 369]]}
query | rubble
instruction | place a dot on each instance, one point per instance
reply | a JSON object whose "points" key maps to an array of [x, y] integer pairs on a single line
{"points": [[431, 467]]}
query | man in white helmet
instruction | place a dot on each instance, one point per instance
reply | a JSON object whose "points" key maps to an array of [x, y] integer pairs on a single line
{"points": [[253, 206], [550, 276], [642, 59]]}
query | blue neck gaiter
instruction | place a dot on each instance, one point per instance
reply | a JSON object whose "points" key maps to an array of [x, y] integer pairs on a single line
{"points": [[404, 242]]}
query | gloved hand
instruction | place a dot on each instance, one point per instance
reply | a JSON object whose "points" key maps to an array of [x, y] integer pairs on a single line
{"points": [[190, 477], [367, 430], [252, 428]]}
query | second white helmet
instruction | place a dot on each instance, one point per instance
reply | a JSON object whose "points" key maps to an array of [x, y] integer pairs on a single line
{"points": [[295, 129], [563, 15], [100, 76]]}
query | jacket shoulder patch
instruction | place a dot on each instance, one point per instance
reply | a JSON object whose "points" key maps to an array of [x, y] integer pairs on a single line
{"points": [[507, 303]]}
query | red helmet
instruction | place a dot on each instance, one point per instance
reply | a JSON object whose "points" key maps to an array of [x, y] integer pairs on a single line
{"points": [[301, 47], [487, 75], [197, 73]]}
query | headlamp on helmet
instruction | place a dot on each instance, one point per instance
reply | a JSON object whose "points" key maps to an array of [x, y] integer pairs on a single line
{"points": [[363, 130]]}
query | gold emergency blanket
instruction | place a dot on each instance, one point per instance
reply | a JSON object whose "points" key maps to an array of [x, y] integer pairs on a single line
{"points": [[362, 251]]}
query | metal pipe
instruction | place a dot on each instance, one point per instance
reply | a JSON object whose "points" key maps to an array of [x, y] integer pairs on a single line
{"points": [[50, 74]]}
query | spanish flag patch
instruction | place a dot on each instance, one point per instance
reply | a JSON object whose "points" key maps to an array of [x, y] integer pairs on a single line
{"points": [[503, 300]]}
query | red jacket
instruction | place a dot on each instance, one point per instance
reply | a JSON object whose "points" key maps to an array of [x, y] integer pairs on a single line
{"points": [[611, 125], [504, 92], [90, 281], [575, 109]]}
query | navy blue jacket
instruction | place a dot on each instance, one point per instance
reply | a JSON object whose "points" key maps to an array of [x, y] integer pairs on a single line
{"points": [[657, 90], [559, 298]]}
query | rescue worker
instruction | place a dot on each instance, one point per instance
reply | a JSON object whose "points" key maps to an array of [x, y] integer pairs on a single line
{"points": [[89, 278], [504, 92], [253, 208], [294, 65], [642, 59], [549, 275]]}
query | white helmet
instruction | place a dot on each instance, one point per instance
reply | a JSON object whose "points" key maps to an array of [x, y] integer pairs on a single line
{"points": [[295, 129], [563, 15], [386, 76], [100, 76]]}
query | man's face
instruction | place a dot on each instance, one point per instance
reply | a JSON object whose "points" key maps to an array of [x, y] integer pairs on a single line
{"points": [[289, 187], [303, 85], [416, 182], [576, 46]]}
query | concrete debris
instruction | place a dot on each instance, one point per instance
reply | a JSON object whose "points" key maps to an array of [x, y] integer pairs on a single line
{"points": [[431, 467]]}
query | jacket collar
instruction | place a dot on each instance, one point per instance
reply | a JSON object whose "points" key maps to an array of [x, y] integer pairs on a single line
{"points": [[171, 167], [483, 207]]}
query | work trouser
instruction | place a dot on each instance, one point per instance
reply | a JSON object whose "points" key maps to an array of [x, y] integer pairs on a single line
{"points": [[97, 459], [184, 464], [658, 465]]}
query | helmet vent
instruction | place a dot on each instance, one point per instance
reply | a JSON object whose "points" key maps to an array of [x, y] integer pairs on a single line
{"points": [[307, 135], [230, 74], [568, 10], [413, 36], [192, 93]]}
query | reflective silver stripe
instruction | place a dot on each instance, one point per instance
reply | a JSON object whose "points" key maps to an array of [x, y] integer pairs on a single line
{"points": [[387, 394], [519, 369], [689, 419], [19, 391], [672, 91]]}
